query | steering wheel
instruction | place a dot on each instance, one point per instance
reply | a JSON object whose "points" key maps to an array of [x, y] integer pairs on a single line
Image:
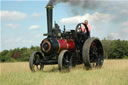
{"points": [[78, 29]]}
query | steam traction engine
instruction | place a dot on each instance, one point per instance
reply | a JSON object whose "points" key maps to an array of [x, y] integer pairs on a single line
{"points": [[67, 48]]}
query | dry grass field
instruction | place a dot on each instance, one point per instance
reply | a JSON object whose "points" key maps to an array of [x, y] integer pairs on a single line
{"points": [[113, 72]]}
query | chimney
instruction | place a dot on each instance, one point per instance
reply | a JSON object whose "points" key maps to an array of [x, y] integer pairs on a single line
{"points": [[49, 18]]}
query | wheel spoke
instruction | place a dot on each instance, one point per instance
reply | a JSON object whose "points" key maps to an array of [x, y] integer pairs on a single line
{"points": [[37, 67]]}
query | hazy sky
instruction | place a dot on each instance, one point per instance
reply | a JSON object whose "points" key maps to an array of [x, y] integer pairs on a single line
{"points": [[23, 22]]}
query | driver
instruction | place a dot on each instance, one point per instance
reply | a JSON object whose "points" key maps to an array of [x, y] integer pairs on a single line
{"points": [[83, 29]]}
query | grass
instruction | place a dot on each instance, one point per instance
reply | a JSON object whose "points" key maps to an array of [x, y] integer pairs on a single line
{"points": [[113, 72]]}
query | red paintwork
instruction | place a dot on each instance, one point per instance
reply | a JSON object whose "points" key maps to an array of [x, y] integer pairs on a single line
{"points": [[66, 44]]}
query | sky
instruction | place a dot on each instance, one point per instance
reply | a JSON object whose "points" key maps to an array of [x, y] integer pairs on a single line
{"points": [[23, 22]]}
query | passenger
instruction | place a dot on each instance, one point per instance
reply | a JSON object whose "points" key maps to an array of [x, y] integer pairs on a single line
{"points": [[83, 29]]}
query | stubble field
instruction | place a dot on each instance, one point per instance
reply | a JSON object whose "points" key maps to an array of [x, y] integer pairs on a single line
{"points": [[113, 72]]}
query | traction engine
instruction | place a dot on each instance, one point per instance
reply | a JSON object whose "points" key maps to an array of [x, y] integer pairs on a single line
{"points": [[67, 48]]}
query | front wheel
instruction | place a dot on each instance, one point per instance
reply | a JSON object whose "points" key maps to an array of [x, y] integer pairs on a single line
{"points": [[65, 60], [92, 53], [35, 61]]}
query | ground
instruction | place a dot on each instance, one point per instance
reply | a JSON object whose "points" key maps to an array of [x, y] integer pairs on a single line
{"points": [[113, 72]]}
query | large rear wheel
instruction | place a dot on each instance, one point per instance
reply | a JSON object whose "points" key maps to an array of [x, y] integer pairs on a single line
{"points": [[92, 53]]}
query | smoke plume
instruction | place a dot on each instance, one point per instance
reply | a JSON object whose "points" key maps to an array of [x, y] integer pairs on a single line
{"points": [[78, 6], [88, 4]]}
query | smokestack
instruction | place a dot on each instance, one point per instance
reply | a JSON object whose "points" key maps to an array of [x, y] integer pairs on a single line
{"points": [[49, 18]]}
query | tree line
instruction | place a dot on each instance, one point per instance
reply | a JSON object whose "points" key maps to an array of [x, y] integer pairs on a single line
{"points": [[17, 54], [113, 49]]}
